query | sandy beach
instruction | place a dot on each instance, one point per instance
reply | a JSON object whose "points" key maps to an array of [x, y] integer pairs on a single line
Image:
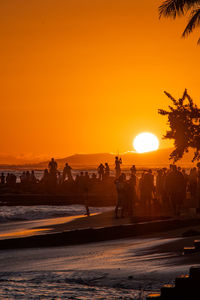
{"points": [[124, 268]]}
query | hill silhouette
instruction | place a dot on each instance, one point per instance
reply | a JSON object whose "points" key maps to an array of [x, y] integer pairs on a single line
{"points": [[154, 159]]}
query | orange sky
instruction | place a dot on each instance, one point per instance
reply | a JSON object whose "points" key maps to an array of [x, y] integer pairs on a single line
{"points": [[83, 76]]}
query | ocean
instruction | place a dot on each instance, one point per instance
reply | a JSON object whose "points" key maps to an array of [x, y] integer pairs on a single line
{"points": [[29, 213]]}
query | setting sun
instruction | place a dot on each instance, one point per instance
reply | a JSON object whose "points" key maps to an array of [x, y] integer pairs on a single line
{"points": [[145, 142]]}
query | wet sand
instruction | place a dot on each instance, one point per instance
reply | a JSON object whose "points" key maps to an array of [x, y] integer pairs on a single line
{"points": [[139, 264], [62, 224], [83, 229], [35, 227]]}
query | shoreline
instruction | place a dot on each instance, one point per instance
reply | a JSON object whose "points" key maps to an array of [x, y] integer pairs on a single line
{"points": [[32, 227], [96, 228]]}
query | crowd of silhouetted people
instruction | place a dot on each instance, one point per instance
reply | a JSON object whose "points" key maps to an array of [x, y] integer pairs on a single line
{"points": [[169, 189]]}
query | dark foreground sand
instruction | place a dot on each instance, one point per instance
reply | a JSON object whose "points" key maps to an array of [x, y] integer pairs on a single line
{"points": [[141, 263], [98, 227]]}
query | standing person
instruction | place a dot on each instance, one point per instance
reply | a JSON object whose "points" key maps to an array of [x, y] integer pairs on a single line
{"points": [[141, 190], [28, 175], [121, 194], [53, 167], [185, 185], [148, 188], [133, 170], [131, 194], [67, 171], [100, 170], [118, 162], [181, 191], [2, 178], [59, 178], [53, 171], [175, 187], [33, 179], [12, 179], [8, 179], [107, 170], [164, 197], [159, 185], [45, 178], [192, 184], [198, 185], [86, 184], [83, 182]]}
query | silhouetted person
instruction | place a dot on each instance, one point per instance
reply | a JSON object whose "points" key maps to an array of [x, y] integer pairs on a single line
{"points": [[147, 188], [107, 170], [81, 181], [11, 179], [198, 185], [23, 178], [52, 167], [181, 191], [159, 185], [101, 171], [131, 194], [8, 178], [192, 184], [86, 182], [175, 188], [185, 185], [3, 178], [53, 172], [59, 178], [28, 177], [94, 177], [133, 170], [121, 195], [164, 197], [67, 171], [45, 179], [33, 179], [118, 162]]}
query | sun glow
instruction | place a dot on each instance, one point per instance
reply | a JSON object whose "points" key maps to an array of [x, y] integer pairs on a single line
{"points": [[145, 142]]}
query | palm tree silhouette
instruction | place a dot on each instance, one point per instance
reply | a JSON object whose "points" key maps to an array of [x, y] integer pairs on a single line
{"points": [[174, 8]]}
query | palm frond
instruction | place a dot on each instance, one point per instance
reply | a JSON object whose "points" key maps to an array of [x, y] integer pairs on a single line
{"points": [[193, 22], [171, 97], [172, 8]]}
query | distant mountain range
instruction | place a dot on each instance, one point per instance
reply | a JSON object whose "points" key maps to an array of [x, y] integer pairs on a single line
{"points": [[156, 159]]}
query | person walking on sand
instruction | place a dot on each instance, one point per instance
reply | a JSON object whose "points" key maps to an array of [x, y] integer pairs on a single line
{"points": [[118, 162]]}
